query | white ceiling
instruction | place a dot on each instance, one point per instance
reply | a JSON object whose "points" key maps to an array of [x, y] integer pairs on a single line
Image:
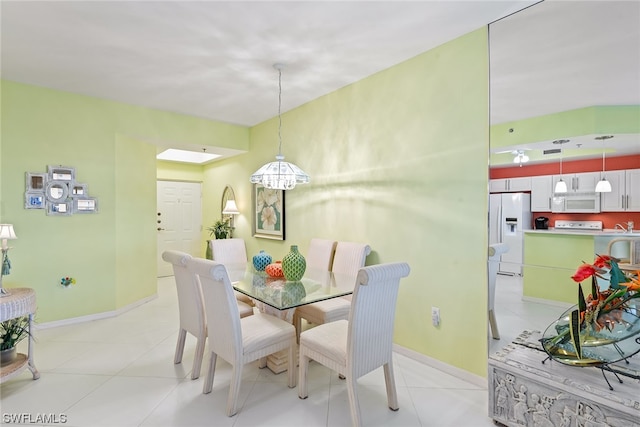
{"points": [[563, 55], [215, 59]]}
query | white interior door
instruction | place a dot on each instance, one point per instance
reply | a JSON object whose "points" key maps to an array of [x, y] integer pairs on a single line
{"points": [[179, 220]]}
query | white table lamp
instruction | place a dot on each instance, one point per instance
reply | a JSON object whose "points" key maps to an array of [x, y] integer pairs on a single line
{"points": [[6, 233], [231, 209]]}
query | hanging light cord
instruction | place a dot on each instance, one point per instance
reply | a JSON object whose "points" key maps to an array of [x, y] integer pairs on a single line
{"points": [[561, 163], [279, 113], [603, 161]]}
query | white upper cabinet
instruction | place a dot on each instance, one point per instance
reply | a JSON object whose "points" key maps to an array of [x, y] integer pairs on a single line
{"points": [[541, 193], [579, 182], [625, 191], [510, 185]]}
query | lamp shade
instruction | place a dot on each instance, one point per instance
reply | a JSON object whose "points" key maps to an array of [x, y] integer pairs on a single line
{"points": [[7, 232], [603, 186], [280, 175], [561, 187], [230, 208]]}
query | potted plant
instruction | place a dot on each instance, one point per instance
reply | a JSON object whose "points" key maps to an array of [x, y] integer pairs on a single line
{"points": [[11, 333], [221, 229]]}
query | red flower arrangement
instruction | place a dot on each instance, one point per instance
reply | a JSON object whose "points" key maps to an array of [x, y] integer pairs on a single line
{"points": [[601, 309], [604, 318]]}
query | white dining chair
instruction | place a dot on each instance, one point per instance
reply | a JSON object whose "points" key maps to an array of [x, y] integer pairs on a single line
{"points": [[356, 347], [319, 258], [238, 340], [320, 254], [191, 308], [347, 259], [231, 251], [495, 252]]}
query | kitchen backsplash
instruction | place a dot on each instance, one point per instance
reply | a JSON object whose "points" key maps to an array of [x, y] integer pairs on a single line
{"points": [[609, 219]]}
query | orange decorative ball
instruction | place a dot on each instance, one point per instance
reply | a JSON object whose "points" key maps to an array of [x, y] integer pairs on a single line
{"points": [[274, 269]]}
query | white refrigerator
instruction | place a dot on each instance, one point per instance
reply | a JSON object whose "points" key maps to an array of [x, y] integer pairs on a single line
{"points": [[509, 216]]}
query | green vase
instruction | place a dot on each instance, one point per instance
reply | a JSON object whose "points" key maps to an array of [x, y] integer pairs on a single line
{"points": [[293, 265], [209, 252]]}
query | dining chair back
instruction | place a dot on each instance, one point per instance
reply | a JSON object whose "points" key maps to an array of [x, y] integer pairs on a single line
{"points": [[356, 347], [347, 259], [320, 254], [238, 340], [350, 257], [229, 250], [191, 308], [495, 252]]}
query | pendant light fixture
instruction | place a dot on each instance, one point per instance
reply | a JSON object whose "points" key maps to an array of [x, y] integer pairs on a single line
{"points": [[561, 186], [279, 175], [603, 186]]}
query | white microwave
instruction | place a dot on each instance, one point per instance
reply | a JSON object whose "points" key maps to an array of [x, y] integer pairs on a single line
{"points": [[576, 203]]}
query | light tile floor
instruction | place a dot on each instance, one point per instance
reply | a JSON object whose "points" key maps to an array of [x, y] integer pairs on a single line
{"points": [[120, 372]]}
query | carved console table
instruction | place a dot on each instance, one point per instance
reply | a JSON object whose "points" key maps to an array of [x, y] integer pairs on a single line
{"points": [[525, 392], [20, 302]]}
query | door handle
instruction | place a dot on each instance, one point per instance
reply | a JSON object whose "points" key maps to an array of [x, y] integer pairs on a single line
{"points": [[160, 229]]}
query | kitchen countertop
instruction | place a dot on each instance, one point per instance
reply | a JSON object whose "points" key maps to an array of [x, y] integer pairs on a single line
{"points": [[608, 232]]}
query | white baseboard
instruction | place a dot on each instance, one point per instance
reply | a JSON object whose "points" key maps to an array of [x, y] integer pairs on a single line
{"points": [[97, 316], [441, 366]]}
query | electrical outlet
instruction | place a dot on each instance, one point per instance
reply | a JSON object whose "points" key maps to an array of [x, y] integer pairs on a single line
{"points": [[435, 316]]}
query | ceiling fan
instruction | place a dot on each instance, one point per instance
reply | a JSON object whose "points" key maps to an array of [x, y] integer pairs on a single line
{"points": [[519, 155]]}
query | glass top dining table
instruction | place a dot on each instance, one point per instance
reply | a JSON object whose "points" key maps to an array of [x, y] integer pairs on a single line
{"points": [[316, 285]]}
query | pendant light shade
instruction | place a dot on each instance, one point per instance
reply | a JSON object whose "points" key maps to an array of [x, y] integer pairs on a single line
{"points": [[561, 186], [603, 186], [280, 175]]}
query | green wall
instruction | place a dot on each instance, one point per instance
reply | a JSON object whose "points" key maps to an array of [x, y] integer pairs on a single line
{"points": [[398, 160], [111, 254]]}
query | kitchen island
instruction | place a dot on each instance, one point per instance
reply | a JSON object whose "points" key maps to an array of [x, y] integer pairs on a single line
{"points": [[552, 256]]}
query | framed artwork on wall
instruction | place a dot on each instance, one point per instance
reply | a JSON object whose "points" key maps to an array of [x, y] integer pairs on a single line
{"points": [[57, 192], [85, 205], [34, 200], [36, 181], [268, 213]]}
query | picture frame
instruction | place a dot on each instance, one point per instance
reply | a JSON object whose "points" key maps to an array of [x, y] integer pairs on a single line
{"points": [[85, 205], [63, 208], [78, 191], [36, 181], [61, 173], [34, 200], [268, 213]]}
